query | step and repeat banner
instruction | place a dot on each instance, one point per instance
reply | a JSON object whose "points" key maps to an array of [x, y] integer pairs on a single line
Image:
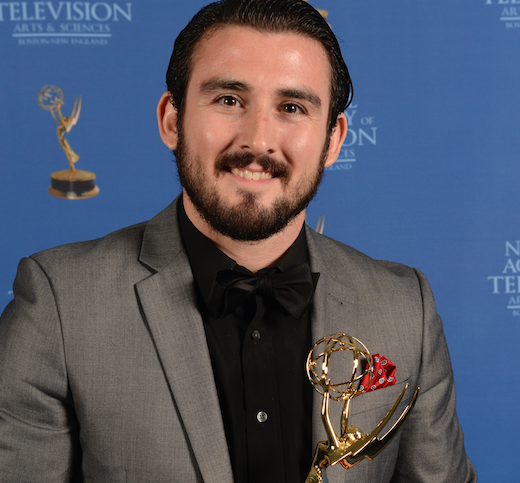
{"points": [[429, 174]]}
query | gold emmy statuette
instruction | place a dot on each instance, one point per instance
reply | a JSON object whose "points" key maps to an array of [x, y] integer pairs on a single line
{"points": [[71, 184], [352, 446]]}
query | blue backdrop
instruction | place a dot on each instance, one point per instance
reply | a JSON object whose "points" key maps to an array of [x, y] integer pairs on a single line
{"points": [[429, 174]]}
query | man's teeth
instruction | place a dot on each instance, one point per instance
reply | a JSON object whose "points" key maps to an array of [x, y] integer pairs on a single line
{"points": [[254, 175]]}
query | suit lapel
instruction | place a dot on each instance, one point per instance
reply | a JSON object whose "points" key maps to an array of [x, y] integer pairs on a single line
{"points": [[338, 307], [168, 302], [334, 310]]}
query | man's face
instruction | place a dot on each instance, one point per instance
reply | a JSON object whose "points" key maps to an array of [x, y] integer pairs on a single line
{"points": [[253, 138]]}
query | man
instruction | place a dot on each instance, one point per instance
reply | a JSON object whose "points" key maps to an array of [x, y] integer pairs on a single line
{"points": [[162, 352]]}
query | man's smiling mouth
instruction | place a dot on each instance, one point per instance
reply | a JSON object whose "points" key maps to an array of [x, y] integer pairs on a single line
{"points": [[253, 175]]}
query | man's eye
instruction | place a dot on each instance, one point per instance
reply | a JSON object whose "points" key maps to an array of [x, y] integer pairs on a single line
{"points": [[292, 109], [228, 101]]}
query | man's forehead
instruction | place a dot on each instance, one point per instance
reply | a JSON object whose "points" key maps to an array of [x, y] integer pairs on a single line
{"points": [[234, 36], [222, 44]]}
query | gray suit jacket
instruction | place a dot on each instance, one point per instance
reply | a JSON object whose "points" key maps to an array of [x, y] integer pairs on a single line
{"points": [[105, 374]]}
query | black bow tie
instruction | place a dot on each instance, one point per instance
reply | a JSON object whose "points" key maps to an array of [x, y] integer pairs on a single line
{"points": [[292, 289]]}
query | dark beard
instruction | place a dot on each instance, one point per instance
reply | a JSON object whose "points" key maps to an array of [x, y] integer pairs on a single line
{"points": [[248, 221]]}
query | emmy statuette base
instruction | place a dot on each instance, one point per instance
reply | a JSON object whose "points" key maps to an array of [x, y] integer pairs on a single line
{"points": [[81, 185]]}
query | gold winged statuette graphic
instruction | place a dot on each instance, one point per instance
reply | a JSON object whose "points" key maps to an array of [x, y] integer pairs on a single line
{"points": [[71, 183]]}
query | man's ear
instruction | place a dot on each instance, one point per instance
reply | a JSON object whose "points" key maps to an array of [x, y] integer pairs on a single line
{"points": [[339, 133], [167, 117]]}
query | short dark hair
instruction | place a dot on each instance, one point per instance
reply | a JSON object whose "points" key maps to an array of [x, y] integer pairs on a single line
{"points": [[264, 15]]}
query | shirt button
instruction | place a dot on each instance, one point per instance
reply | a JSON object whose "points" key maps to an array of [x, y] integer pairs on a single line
{"points": [[262, 417], [256, 335]]}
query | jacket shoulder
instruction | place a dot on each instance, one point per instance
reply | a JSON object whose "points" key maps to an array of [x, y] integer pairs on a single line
{"points": [[340, 260], [155, 240], [124, 243]]}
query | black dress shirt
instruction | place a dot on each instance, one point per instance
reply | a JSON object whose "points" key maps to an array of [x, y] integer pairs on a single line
{"points": [[258, 357]]}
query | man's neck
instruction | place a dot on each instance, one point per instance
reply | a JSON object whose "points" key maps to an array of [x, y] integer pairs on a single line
{"points": [[253, 255]]}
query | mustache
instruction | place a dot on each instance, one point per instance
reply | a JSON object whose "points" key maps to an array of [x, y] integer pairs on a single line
{"points": [[228, 161]]}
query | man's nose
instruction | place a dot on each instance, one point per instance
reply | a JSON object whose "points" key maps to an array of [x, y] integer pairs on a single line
{"points": [[258, 134]]}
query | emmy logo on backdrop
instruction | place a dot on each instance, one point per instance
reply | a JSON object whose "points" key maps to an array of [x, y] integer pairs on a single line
{"points": [[351, 446], [71, 184]]}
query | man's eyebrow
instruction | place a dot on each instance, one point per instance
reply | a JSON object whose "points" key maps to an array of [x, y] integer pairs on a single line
{"points": [[303, 94], [216, 84]]}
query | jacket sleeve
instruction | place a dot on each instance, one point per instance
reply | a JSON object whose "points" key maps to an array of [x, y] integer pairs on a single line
{"points": [[38, 428], [432, 443]]}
